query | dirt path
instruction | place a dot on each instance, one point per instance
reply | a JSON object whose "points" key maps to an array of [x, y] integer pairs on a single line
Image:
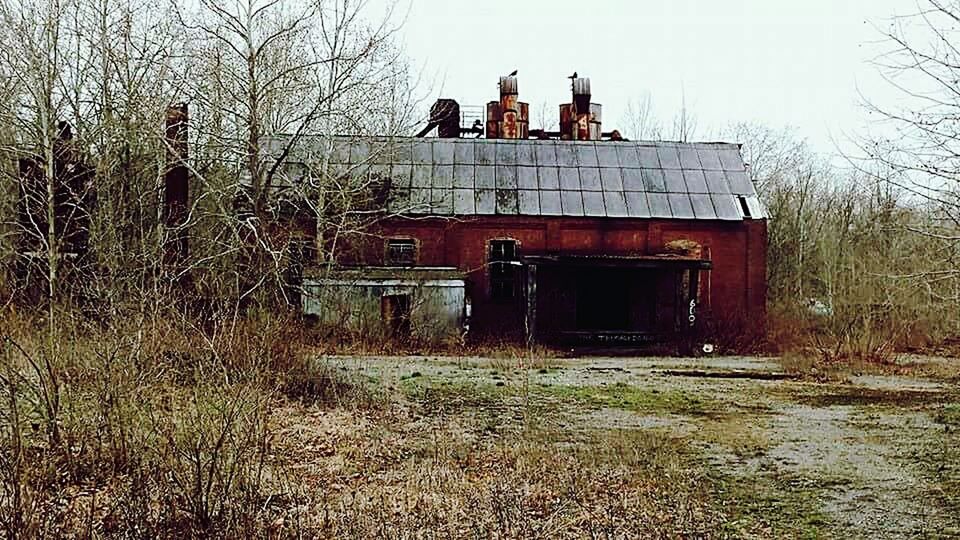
{"points": [[873, 458]]}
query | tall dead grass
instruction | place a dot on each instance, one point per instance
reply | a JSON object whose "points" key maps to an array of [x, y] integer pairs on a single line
{"points": [[149, 426]]}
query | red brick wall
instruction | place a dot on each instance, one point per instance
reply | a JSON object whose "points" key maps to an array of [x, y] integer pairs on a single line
{"points": [[735, 288]]}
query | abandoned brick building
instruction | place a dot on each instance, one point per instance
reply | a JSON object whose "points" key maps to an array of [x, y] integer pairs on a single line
{"points": [[558, 237]]}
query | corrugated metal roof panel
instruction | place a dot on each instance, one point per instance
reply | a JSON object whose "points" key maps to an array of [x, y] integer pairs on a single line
{"points": [[586, 153], [422, 176], [653, 180], [360, 151], [544, 177], [628, 155], [730, 159], [400, 175], [637, 204], [673, 179], [569, 178], [463, 152], [680, 205], [702, 206], [726, 206], [484, 177], [443, 176], [550, 203], [529, 202], [506, 152], [739, 183], [420, 199], [399, 200], [659, 207], [607, 155], [506, 176], [441, 201], [443, 151], [615, 203], [716, 182], [463, 176], [695, 181], [709, 159], [486, 201], [525, 155], [340, 151], [566, 156], [590, 179], [669, 159], [593, 204], [545, 153], [484, 152], [648, 157], [689, 158], [464, 203], [571, 203], [527, 177], [422, 151], [507, 202], [610, 179], [549, 177], [632, 180]]}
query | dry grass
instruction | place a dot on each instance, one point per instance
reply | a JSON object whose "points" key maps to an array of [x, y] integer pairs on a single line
{"points": [[152, 427], [426, 469]]}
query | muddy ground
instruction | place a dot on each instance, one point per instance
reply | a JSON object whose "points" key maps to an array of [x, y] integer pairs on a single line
{"points": [[875, 456]]}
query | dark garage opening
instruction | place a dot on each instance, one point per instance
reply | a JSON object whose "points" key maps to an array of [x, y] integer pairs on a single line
{"points": [[601, 302], [611, 299]]}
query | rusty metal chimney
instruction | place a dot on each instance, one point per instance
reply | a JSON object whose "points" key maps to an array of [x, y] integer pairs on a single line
{"points": [[508, 118], [446, 114], [580, 119]]}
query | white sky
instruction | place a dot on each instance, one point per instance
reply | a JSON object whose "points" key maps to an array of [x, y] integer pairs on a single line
{"points": [[795, 63]]}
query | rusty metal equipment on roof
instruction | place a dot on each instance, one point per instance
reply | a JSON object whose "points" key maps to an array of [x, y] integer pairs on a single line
{"points": [[509, 117], [580, 119]]}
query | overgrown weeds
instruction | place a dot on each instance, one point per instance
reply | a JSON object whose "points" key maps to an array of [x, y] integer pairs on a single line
{"points": [[149, 426]]}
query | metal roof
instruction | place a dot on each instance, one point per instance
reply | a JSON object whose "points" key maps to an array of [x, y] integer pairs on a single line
{"points": [[530, 177]]}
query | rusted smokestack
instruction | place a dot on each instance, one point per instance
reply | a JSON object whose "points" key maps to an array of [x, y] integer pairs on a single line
{"points": [[176, 184], [508, 118], [445, 113], [580, 119]]}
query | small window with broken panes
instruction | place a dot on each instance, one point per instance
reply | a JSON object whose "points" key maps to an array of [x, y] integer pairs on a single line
{"points": [[401, 252], [503, 263]]}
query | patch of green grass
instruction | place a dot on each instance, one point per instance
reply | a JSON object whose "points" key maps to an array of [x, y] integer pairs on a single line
{"points": [[784, 507], [631, 398], [830, 395], [949, 415]]}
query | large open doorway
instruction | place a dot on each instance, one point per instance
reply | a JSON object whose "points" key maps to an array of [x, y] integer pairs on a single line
{"points": [[602, 302], [611, 300]]}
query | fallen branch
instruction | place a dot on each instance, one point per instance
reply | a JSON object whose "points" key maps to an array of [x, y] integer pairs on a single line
{"points": [[761, 375]]}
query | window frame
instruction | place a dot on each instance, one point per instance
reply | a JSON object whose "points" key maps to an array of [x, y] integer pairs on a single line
{"points": [[502, 272], [401, 241]]}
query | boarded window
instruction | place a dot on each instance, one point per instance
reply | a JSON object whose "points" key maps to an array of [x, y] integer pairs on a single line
{"points": [[503, 264], [401, 252]]}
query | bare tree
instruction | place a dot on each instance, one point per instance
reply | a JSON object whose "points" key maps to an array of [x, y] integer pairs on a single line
{"points": [[915, 141], [35, 53], [269, 74], [640, 121]]}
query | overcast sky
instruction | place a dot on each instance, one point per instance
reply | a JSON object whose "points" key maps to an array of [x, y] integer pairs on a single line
{"points": [[794, 63]]}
